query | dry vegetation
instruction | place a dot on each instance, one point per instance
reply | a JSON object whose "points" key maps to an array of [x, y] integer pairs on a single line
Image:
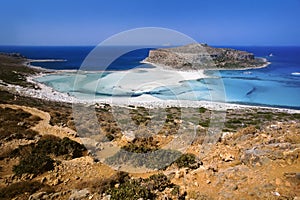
{"points": [[13, 71]]}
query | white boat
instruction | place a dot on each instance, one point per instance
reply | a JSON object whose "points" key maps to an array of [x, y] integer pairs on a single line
{"points": [[296, 73], [270, 55]]}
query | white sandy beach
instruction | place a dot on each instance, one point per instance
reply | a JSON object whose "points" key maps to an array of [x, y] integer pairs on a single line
{"points": [[147, 101], [47, 93], [141, 80]]}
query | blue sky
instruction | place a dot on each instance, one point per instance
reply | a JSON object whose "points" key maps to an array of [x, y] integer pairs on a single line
{"points": [[88, 22]]}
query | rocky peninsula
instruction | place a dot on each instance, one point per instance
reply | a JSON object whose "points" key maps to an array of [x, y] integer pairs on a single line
{"points": [[201, 56]]}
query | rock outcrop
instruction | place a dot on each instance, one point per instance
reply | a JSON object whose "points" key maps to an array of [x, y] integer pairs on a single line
{"points": [[202, 56]]}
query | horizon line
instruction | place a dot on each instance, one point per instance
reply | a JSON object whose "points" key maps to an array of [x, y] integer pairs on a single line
{"points": [[145, 45]]}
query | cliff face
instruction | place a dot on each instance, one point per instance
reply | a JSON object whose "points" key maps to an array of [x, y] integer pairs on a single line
{"points": [[202, 56]]}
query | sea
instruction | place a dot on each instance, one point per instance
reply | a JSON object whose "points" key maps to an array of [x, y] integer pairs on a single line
{"points": [[277, 85]]}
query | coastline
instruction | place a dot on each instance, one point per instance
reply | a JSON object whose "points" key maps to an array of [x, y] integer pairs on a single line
{"points": [[50, 94], [47, 93], [211, 69]]}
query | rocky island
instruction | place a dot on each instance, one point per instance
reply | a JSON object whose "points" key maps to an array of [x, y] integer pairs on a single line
{"points": [[201, 56]]}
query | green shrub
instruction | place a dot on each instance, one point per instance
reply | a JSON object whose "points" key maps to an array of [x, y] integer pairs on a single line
{"points": [[140, 115], [137, 149], [54, 145], [188, 160], [35, 157], [141, 145], [204, 123], [202, 110], [158, 182], [142, 188], [152, 160], [175, 191], [132, 190], [34, 164]]}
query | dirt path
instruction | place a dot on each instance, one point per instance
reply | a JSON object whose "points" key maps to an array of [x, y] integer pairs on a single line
{"points": [[44, 127]]}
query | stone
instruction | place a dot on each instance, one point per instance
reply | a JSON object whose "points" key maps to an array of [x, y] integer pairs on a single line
{"points": [[129, 136], [106, 197], [276, 194], [66, 181], [56, 182], [79, 194], [180, 174], [43, 180], [234, 187], [56, 195], [21, 124], [227, 157], [297, 176], [37, 196], [288, 184], [278, 181]]}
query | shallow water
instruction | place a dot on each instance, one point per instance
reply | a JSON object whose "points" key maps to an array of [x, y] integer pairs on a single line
{"points": [[276, 85]]}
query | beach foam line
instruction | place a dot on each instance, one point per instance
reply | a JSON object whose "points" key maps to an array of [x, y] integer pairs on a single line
{"points": [[47, 60]]}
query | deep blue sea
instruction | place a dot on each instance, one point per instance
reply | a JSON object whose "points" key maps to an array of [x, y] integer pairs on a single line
{"points": [[75, 55], [276, 85]]}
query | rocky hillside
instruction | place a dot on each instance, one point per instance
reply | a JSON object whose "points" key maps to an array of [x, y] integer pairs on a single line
{"points": [[40, 160], [202, 56], [14, 70]]}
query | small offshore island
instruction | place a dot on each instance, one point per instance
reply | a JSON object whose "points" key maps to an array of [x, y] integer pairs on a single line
{"points": [[204, 57], [47, 154]]}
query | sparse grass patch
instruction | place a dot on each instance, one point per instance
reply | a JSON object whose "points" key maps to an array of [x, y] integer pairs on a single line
{"points": [[16, 124], [101, 185]]}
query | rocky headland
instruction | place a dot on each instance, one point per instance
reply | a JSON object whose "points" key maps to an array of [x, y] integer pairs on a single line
{"points": [[202, 56]]}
